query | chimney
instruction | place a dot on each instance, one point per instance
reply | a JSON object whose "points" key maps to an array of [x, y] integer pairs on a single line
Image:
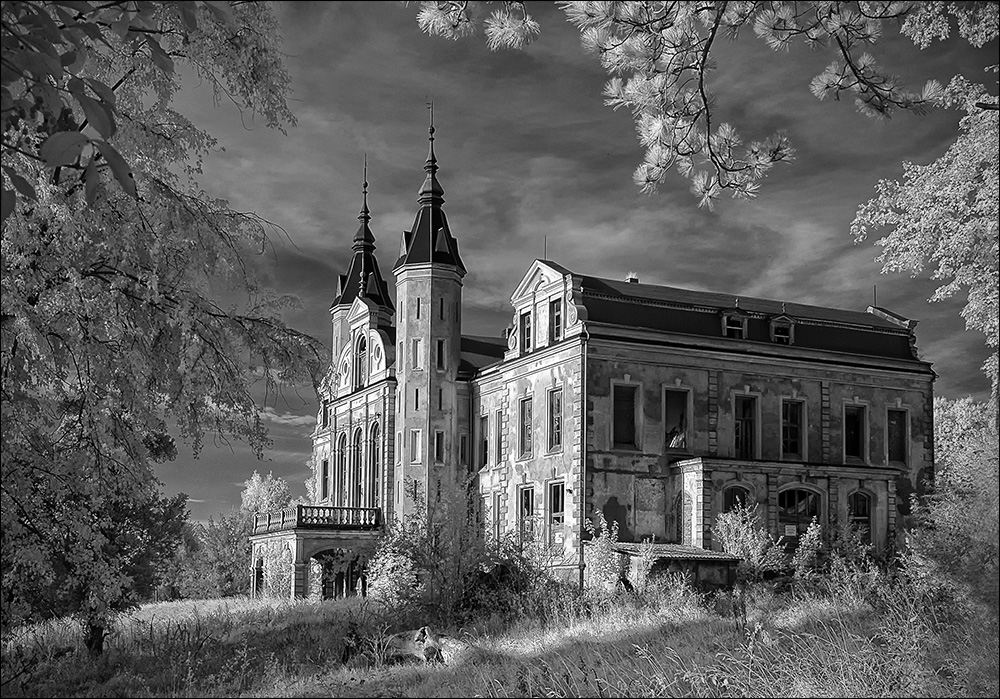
{"points": [[632, 278]]}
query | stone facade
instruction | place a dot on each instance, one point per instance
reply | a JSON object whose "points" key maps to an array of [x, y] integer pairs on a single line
{"points": [[659, 407]]}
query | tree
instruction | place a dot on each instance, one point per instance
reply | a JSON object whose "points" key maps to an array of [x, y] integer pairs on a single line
{"points": [[130, 308], [660, 57], [946, 214]]}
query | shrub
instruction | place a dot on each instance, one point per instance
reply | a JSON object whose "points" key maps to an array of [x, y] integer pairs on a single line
{"points": [[741, 534], [806, 559], [605, 564]]}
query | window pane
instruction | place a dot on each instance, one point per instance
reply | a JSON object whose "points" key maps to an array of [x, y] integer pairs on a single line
{"points": [[624, 416], [555, 320], [897, 436], [525, 431], [526, 512], [854, 430], [860, 513], [555, 419], [676, 420], [734, 495], [791, 428], [498, 438], [484, 450], [525, 332], [746, 432]]}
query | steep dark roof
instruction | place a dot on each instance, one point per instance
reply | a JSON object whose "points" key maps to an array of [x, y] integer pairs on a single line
{"points": [[363, 278], [429, 238], [670, 309], [479, 352]]}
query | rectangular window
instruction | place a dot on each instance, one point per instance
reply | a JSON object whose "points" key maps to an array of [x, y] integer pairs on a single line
{"points": [[781, 334], [463, 448], [746, 427], [498, 438], [414, 445], [854, 432], [439, 445], [399, 446], [441, 309], [526, 332], [415, 354], [325, 481], [484, 441], [440, 398], [416, 399], [896, 437], [555, 320], [524, 431], [735, 327], [418, 308], [557, 512], [555, 419], [497, 520], [326, 413], [791, 429], [624, 417], [440, 355], [675, 423], [526, 512]]}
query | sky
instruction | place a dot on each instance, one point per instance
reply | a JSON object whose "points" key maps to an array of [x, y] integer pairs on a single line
{"points": [[533, 164]]}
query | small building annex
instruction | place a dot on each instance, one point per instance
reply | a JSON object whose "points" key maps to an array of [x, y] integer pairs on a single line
{"points": [[660, 407]]}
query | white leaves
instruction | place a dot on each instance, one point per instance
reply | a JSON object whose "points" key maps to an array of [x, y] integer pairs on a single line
{"points": [[510, 30]]}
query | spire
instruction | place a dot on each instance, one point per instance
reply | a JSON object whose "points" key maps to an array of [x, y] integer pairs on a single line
{"points": [[364, 239], [431, 192]]}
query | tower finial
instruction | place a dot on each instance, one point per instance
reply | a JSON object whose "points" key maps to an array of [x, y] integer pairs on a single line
{"points": [[431, 166], [365, 215]]}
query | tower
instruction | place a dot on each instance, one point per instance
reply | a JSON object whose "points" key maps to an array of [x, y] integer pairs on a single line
{"points": [[429, 275]]}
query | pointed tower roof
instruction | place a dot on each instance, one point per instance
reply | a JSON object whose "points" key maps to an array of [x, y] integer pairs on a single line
{"points": [[429, 240], [363, 278]]}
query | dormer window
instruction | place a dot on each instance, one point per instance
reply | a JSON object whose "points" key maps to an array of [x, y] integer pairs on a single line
{"points": [[734, 326], [782, 331]]}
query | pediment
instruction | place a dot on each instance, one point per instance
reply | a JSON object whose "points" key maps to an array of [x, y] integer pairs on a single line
{"points": [[540, 275], [362, 308]]}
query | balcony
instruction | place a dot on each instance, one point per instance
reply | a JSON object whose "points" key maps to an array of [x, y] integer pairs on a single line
{"points": [[318, 517]]}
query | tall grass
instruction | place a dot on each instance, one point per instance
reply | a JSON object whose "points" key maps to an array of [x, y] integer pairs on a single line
{"points": [[881, 637]]}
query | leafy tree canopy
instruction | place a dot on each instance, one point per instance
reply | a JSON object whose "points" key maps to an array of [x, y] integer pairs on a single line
{"points": [[129, 303]]}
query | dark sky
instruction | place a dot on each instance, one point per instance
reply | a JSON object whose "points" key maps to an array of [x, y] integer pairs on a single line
{"points": [[529, 156]]}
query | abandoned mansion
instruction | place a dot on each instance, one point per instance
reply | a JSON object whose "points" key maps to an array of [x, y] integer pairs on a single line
{"points": [[658, 406]]}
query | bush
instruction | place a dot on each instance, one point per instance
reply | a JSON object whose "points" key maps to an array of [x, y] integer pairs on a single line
{"points": [[741, 534], [605, 564]]}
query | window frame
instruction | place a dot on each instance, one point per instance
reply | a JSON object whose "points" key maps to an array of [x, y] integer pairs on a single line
{"points": [[415, 354], [441, 354], [553, 527], [497, 522], [498, 456], [854, 518], [554, 419], [415, 446], [636, 444], [755, 436], [526, 523], [905, 461], [688, 411], [325, 480], [802, 428], [484, 440], [439, 455], [728, 320], [801, 521], [525, 328], [864, 432], [555, 319], [787, 338], [728, 493], [525, 431], [325, 414]]}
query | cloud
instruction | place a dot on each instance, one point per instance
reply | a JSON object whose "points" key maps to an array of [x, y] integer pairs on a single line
{"points": [[269, 414]]}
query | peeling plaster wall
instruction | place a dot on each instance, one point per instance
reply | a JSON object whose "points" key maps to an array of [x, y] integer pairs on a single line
{"points": [[497, 396], [625, 482]]}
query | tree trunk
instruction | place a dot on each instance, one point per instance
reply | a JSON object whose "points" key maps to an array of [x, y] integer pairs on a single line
{"points": [[93, 637]]}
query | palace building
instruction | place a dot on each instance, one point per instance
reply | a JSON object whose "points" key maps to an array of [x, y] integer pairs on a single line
{"points": [[659, 407]]}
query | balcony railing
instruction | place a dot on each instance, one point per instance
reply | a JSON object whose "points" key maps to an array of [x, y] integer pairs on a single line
{"points": [[318, 517]]}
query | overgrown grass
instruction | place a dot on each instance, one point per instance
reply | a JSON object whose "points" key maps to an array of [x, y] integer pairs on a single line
{"points": [[668, 642]]}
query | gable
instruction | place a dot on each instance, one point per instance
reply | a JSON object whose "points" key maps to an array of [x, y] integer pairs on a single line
{"points": [[540, 275]]}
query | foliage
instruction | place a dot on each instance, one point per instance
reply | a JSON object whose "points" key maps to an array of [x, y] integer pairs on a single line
{"points": [[946, 214], [806, 559], [129, 308], [958, 541], [660, 56], [605, 564], [741, 533], [264, 494]]}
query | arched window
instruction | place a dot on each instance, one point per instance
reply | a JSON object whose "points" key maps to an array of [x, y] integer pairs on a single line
{"points": [[859, 513], [356, 475], [374, 468], [734, 495], [340, 477], [361, 363], [796, 509]]}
